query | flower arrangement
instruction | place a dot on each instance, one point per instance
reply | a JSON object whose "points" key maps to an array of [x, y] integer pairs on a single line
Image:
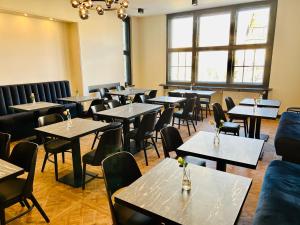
{"points": [[69, 119], [32, 97]]}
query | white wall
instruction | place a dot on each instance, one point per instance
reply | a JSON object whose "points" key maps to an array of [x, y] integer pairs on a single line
{"points": [[285, 71]]}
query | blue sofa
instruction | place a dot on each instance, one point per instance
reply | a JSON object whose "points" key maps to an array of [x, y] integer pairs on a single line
{"points": [[21, 125], [287, 139], [279, 201]]}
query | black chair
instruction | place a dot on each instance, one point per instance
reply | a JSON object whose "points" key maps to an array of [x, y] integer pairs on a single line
{"points": [[177, 95], [198, 107], [163, 121], [104, 94], [145, 132], [139, 98], [228, 127], [171, 140], [238, 119], [4, 145], [53, 146], [120, 88], [205, 101], [89, 112], [187, 114], [19, 190], [152, 94], [110, 142], [113, 104], [57, 109], [119, 171]]}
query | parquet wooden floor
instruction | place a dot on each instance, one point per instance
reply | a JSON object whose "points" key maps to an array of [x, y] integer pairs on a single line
{"points": [[65, 205]]}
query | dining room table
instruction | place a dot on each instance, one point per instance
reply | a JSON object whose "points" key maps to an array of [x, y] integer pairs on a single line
{"points": [[129, 92], [72, 131], [78, 99], [272, 103], [167, 101], [9, 170], [36, 106], [215, 198], [233, 150], [256, 114], [126, 114]]}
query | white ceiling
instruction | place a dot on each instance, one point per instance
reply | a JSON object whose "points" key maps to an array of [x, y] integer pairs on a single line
{"points": [[156, 7]]}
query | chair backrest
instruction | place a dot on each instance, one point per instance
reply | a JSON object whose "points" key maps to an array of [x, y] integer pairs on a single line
{"points": [[171, 140], [189, 107], [218, 114], [24, 155], [94, 102], [175, 94], [165, 119], [205, 98], [49, 119], [97, 108], [110, 142], [137, 98], [152, 94], [114, 104], [57, 110], [119, 171], [147, 125], [229, 103], [4, 145], [190, 95]]}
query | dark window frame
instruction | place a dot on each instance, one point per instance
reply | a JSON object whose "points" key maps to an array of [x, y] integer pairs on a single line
{"points": [[234, 9], [127, 50]]}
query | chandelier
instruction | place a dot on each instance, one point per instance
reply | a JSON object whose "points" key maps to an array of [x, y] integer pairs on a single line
{"points": [[108, 5]]}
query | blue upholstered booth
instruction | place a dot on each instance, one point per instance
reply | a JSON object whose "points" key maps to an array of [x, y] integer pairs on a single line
{"points": [[21, 125], [279, 201]]}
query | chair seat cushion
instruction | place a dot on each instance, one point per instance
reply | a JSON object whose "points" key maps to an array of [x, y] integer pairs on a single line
{"points": [[279, 200], [195, 161], [57, 146], [88, 158], [179, 114], [126, 216], [132, 134], [112, 125], [11, 189]]}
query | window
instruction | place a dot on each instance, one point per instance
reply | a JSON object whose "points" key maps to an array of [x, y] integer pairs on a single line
{"points": [[127, 50], [226, 46]]}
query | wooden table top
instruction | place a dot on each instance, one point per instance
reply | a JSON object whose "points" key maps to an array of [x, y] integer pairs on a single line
{"points": [[216, 198], [127, 92], [233, 150], [261, 102], [80, 127], [8, 170], [166, 99], [77, 99], [34, 106], [130, 111], [198, 92], [262, 112]]}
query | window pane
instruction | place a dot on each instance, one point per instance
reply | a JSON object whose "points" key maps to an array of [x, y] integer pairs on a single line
{"points": [[212, 66], [252, 26], [181, 32], [214, 30], [180, 66]]}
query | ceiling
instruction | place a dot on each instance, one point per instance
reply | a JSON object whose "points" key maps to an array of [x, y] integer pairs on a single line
{"points": [[156, 7]]}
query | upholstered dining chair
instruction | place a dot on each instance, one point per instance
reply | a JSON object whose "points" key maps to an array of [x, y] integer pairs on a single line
{"points": [[4, 145]]}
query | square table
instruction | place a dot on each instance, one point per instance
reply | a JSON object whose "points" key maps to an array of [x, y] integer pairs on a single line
{"points": [[238, 151], [129, 91], [261, 102], [8, 170], [37, 106], [79, 128], [128, 112], [216, 198], [202, 93], [255, 114], [166, 100], [77, 99]]}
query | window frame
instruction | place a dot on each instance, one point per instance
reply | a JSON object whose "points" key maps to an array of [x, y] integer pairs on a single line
{"points": [[127, 50], [234, 9]]}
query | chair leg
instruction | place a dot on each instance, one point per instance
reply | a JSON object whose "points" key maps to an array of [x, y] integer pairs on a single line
{"points": [[209, 109], [83, 176], [201, 111], [156, 133], [145, 153], [188, 126], [95, 139], [56, 167], [245, 128], [179, 122], [153, 142], [37, 205], [194, 125], [63, 157], [45, 160], [2, 216], [173, 121]]}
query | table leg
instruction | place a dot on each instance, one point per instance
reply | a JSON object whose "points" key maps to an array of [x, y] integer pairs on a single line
{"points": [[221, 165], [252, 127], [125, 132], [258, 135]]}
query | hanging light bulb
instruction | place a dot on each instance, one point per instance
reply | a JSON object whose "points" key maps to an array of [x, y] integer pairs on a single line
{"points": [[100, 10], [88, 4], [109, 3], [121, 13], [124, 4], [84, 13], [75, 3]]}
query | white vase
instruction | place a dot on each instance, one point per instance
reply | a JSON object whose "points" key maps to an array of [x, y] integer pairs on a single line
{"points": [[217, 138]]}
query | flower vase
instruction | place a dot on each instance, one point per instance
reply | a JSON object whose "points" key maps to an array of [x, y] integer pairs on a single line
{"points": [[186, 179], [69, 121], [217, 138]]}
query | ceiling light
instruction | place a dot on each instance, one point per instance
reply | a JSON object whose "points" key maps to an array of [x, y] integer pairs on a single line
{"points": [[108, 5], [194, 2]]}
